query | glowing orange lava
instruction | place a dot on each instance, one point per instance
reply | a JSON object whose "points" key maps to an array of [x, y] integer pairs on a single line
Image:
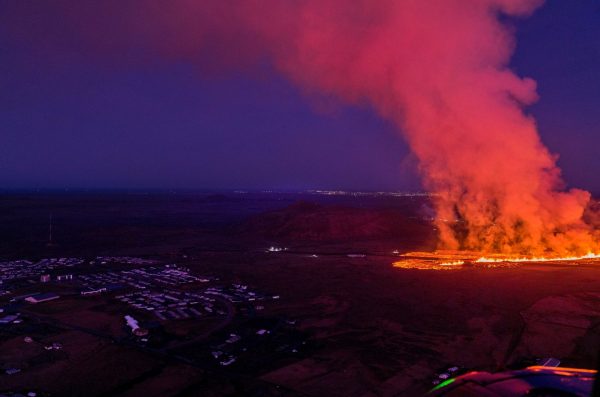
{"points": [[589, 255], [452, 260]]}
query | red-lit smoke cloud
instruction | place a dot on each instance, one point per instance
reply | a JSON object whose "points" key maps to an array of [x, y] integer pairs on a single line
{"points": [[437, 68]]}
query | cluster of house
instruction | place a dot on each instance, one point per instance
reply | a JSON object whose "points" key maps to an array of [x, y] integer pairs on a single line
{"points": [[46, 278], [17, 269], [168, 275], [237, 293], [128, 260], [141, 278], [171, 304], [225, 353], [46, 269]]}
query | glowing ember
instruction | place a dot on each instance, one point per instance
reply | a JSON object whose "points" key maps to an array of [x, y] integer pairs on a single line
{"points": [[451, 260], [438, 260], [428, 265], [455, 263], [589, 255]]}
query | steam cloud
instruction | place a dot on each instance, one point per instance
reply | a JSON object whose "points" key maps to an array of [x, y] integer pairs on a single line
{"points": [[436, 68]]}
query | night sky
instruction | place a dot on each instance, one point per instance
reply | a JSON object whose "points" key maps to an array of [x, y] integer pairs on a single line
{"points": [[72, 119]]}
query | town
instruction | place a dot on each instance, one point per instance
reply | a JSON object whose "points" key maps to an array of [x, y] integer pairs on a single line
{"points": [[161, 309]]}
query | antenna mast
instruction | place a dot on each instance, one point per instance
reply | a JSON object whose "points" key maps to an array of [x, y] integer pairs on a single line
{"points": [[50, 231]]}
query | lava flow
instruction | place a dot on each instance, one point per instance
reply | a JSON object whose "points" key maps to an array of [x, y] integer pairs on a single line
{"points": [[451, 260], [589, 255]]}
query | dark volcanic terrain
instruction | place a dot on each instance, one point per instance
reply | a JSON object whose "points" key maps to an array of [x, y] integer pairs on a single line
{"points": [[367, 328]]}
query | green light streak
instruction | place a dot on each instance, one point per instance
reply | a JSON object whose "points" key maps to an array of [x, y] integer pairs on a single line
{"points": [[443, 384]]}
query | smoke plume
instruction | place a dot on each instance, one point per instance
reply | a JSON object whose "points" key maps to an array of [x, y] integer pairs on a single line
{"points": [[439, 69]]}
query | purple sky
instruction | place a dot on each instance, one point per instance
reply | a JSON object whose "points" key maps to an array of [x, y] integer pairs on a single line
{"points": [[70, 120]]}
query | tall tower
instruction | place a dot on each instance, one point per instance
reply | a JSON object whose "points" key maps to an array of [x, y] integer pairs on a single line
{"points": [[50, 243]]}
